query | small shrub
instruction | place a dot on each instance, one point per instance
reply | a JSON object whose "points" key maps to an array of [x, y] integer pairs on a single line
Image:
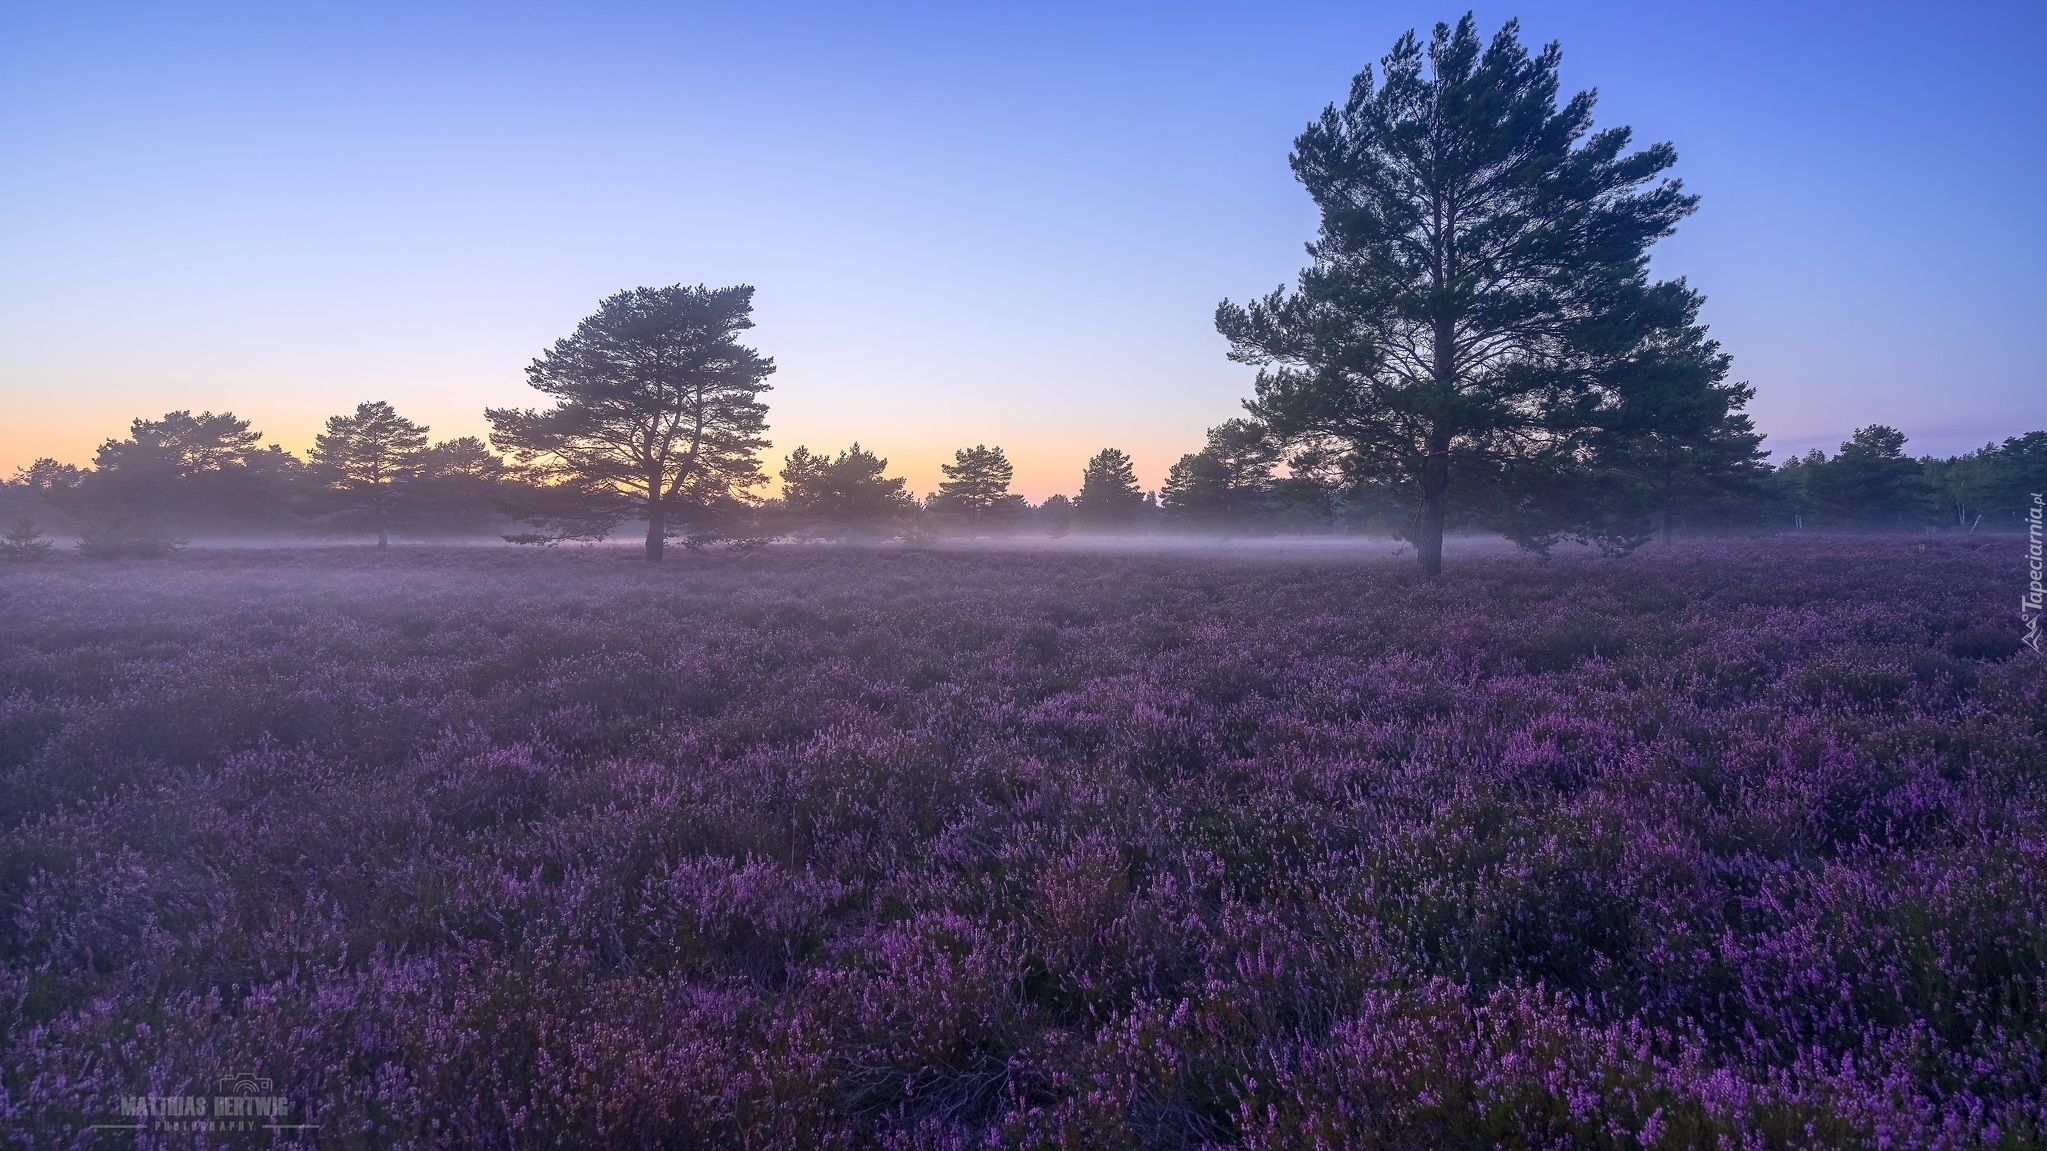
{"points": [[121, 545], [24, 543], [1983, 643]]}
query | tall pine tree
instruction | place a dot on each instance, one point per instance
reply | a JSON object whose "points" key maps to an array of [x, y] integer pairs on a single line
{"points": [[1480, 274], [1228, 484], [366, 461], [849, 494], [976, 487], [1109, 496], [657, 413]]}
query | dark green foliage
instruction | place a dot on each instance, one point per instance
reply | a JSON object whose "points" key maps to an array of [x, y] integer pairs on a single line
{"points": [[1960, 486], [657, 414], [1676, 441], [2018, 473], [1056, 513], [843, 495], [179, 475], [455, 489], [976, 489], [1872, 483], [1991, 487], [1109, 496], [1479, 291], [36, 490], [1228, 484], [365, 463], [24, 543]]}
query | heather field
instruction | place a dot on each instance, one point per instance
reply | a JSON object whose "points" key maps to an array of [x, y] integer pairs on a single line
{"points": [[1738, 844]]}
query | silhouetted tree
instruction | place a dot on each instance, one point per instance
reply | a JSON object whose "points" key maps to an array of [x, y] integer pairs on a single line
{"points": [[1672, 433], [365, 464], [1870, 483], [455, 489], [1109, 496], [1787, 486], [24, 543], [1960, 484], [1150, 515], [259, 493], [36, 490], [181, 444], [657, 412], [1668, 441], [844, 494], [1228, 484], [176, 475], [1056, 514], [46, 474], [2018, 470], [1312, 494], [976, 488], [1480, 269]]}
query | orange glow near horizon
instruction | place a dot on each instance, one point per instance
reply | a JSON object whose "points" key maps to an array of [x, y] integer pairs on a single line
{"points": [[48, 426]]}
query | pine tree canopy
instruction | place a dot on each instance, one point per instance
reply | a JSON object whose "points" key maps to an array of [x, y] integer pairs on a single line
{"points": [[1228, 480], [1109, 495], [181, 444], [1872, 482], [366, 459], [1479, 284], [976, 483], [657, 411], [849, 489]]}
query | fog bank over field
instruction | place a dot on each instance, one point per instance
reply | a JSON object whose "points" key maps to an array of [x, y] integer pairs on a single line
{"points": [[1315, 548]]}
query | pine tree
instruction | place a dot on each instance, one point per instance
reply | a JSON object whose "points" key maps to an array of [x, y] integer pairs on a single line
{"points": [[2018, 475], [1056, 513], [179, 474], [456, 489], [976, 487], [1109, 496], [657, 414], [1871, 483], [1672, 440], [1228, 484], [24, 542], [1480, 272], [366, 462], [849, 493]]}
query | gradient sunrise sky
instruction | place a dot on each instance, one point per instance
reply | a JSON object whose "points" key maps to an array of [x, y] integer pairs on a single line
{"points": [[967, 223]]}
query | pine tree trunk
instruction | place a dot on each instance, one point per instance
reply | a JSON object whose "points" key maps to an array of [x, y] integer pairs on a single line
{"points": [[657, 530], [1428, 542], [383, 540], [1436, 468], [1435, 485]]}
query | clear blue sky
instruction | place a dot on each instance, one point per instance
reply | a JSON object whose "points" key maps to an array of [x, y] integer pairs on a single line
{"points": [[968, 223]]}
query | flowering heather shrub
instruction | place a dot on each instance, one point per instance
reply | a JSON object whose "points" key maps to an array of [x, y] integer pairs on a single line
{"points": [[1741, 844]]}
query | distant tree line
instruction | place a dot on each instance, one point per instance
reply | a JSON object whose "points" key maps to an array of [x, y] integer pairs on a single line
{"points": [[374, 474], [371, 472]]}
